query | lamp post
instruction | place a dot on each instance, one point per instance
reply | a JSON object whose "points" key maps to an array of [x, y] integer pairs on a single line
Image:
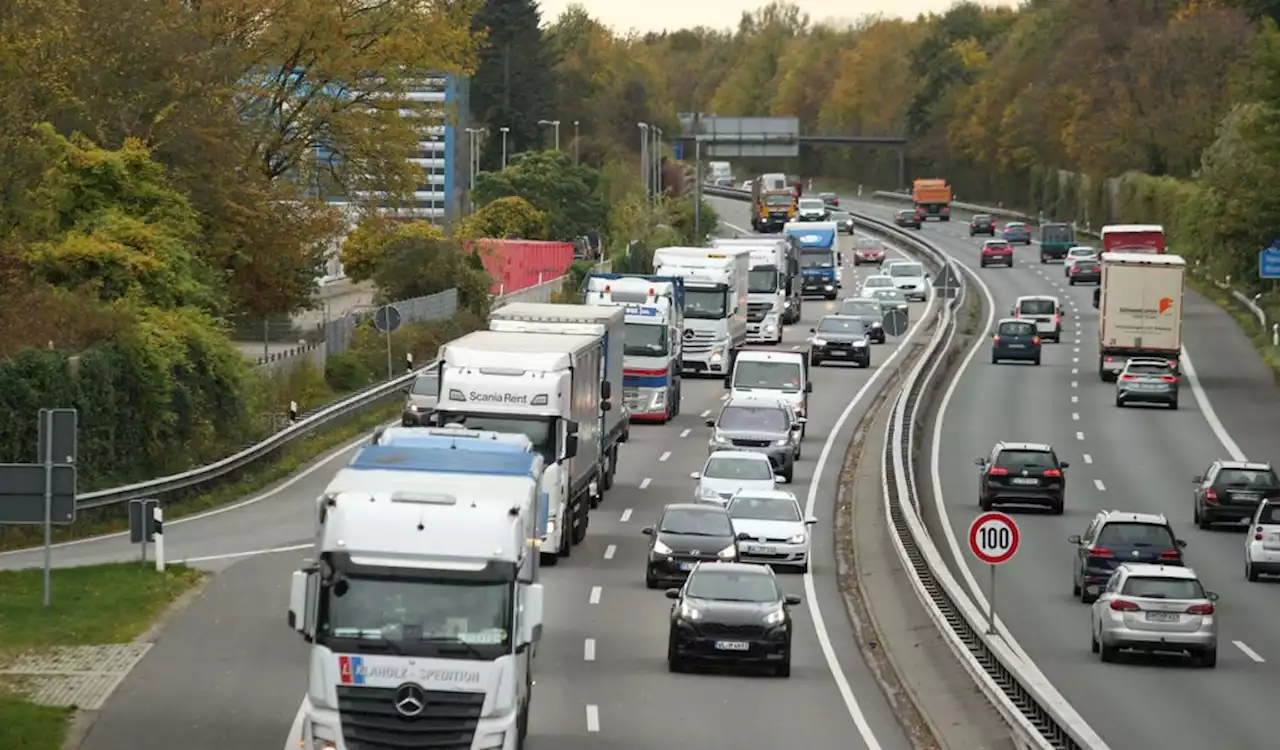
{"points": [[504, 130], [644, 156], [556, 125], [473, 157], [575, 143], [657, 164]]}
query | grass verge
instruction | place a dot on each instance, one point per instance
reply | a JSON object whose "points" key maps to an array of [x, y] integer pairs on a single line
{"points": [[100, 604], [1248, 323]]}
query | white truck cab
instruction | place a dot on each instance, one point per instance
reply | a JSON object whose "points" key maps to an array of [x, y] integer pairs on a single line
{"points": [[715, 314], [759, 373]]}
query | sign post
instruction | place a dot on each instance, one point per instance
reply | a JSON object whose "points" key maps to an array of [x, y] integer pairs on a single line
{"points": [[387, 320], [993, 539]]}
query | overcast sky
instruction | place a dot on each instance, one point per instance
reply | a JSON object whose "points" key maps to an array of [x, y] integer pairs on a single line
{"points": [[655, 15]]}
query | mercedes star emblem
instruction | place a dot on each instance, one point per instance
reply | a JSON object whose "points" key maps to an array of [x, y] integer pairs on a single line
{"points": [[410, 700], [695, 552], [689, 334], [762, 540]]}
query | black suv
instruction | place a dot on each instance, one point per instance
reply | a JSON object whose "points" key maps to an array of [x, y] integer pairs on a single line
{"points": [[1022, 474], [982, 224], [1115, 537], [1230, 491], [840, 338]]}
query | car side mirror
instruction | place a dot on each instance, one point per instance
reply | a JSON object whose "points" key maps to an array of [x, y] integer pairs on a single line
{"points": [[979, 462], [1181, 543], [1211, 596], [711, 423], [673, 593], [647, 531], [1075, 539], [779, 479], [792, 600], [808, 387], [802, 420], [695, 475], [813, 330], [1197, 479], [1064, 464], [810, 521]]}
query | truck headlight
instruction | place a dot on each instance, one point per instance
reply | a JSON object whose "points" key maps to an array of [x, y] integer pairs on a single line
{"points": [[551, 527], [323, 737], [413, 408], [716, 355]]}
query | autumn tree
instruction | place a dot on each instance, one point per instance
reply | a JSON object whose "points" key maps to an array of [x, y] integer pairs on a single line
{"points": [[513, 86], [505, 217], [413, 259], [568, 194]]}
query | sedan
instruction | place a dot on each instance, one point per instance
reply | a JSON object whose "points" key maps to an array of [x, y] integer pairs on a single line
{"points": [[759, 425], [1147, 381], [879, 281], [1075, 255], [731, 613], [771, 529], [728, 472], [1155, 608], [1016, 233], [1085, 271], [890, 299], [1231, 491], [840, 338], [907, 218], [685, 535], [1015, 340], [996, 252], [831, 199]]}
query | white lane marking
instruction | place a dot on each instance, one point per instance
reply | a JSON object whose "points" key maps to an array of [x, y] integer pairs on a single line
{"points": [[1075, 399], [595, 594], [1075, 416], [644, 483], [1079, 436], [1249, 652], [250, 553], [1075, 384], [589, 649], [1075, 359], [1075, 370], [1101, 487], [665, 455], [1075, 317], [1087, 458], [593, 718], [1076, 350], [685, 432], [705, 414], [1210, 415], [610, 551], [626, 516]]}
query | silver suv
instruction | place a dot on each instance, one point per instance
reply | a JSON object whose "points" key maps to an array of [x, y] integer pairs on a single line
{"points": [[1155, 608], [758, 425]]}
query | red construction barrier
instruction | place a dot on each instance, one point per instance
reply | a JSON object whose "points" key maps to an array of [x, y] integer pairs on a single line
{"points": [[518, 264]]}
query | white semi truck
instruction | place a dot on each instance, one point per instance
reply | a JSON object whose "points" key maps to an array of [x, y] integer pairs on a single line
{"points": [[423, 606], [653, 309], [783, 255], [608, 323], [715, 313], [548, 388], [1139, 310]]}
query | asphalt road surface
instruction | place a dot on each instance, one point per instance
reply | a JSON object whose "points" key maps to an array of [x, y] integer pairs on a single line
{"points": [[1140, 459]]}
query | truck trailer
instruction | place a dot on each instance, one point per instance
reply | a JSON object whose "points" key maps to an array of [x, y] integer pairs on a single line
{"points": [[1139, 310], [820, 273], [715, 315]]}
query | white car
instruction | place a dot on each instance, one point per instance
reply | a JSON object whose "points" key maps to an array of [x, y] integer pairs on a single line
{"points": [[876, 282], [812, 209], [1262, 542], [728, 472], [1155, 608], [771, 529], [1045, 311], [1080, 252], [911, 279]]}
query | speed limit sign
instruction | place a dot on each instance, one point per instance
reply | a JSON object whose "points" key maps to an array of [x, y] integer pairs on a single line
{"points": [[993, 537]]}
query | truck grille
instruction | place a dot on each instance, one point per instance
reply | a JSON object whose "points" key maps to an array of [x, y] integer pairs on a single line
{"points": [[700, 341], [370, 720], [756, 311]]}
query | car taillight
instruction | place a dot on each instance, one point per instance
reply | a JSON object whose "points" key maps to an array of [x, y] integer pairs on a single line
{"points": [[1075, 269], [1120, 605], [996, 471], [1128, 377], [1096, 551], [1200, 609], [946, 209], [1168, 379], [1057, 319], [1052, 473], [995, 339], [1171, 555], [1211, 496], [1035, 340]]}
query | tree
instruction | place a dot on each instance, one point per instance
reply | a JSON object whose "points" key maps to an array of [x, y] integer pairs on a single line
{"points": [[513, 85], [506, 217], [414, 259], [569, 194]]}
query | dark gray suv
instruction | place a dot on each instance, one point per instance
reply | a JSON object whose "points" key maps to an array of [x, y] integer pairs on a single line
{"points": [[760, 425]]}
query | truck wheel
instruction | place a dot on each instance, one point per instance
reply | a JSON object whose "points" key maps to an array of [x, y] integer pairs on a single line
{"points": [[579, 532], [606, 476], [548, 559]]}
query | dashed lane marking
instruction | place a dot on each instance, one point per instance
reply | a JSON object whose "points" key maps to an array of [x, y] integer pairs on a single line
{"points": [[1079, 436], [596, 591], [589, 649], [644, 483], [1087, 458], [685, 432], [665, 455], [593, 718], [610, 551], [626, 516], [1101, 487]]}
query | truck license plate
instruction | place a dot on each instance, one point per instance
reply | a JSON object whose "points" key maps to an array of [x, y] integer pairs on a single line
{"points": [[733, 645], [1162, 617], [1026, 480]]}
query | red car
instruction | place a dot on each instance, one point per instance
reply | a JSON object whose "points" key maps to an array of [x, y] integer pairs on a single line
{"points": [[868, 251], [996, 252]]}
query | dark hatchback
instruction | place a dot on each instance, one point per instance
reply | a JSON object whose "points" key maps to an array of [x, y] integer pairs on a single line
{"points": [[1115, 537], [731, 614], [687, 533], [907, 218], [1022, 474], [1085, 272], [1230, 491], [869, 312], [1015, 340], [420, 401], [840, 338], [982, 224], [831, 199]]}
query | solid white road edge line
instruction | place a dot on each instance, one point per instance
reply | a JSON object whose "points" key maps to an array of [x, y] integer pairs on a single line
{"points": [[250, 553]]}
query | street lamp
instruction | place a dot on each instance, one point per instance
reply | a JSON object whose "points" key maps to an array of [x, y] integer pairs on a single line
{"points": [[504, 130], [474, 165], [555, 124], [644, 156], [657, 163], [575, 143]]}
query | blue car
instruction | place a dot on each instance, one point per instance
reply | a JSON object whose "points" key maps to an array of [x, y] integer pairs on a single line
{"points": [[1016, 233], [1015, 340]]}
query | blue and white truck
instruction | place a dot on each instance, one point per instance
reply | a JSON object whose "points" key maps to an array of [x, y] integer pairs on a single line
{"points": [[653, 308], [819, 257]]}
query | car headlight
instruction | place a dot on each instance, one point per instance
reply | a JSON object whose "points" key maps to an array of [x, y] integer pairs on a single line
{"points": [[776, 617], [786, 303], [859, 343], [706, 493], [661, 549], [719, 439], [797, 539], [728, 553], [689, 613], [819, 342], [413, 408], [782, 442]]}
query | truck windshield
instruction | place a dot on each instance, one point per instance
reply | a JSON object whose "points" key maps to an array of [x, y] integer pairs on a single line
{"points": [[786, 376], [1057, 233], [762, 280], [540, 431], [645, 340], [817, 258], [420, 617], [705, 303]]}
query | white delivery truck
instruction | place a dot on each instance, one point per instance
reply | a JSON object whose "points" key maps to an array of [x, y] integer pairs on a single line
{"points": [[582, 320], [719, 170], [783, 254], [1139, 310], [423, 607], [653, 309], [715, 313], [548, 388]]}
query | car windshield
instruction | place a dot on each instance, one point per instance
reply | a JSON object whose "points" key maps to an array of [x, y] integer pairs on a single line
{"points": [[906, 214], [1152, 369], [704, 303], [696, 522], [1251, 478], [1124, 534], [409, 611], [753, 469], [764, 509], [848, 326], [754, 419], [860, 308], [1017, 329], [878, 282], [644, 340], [427, 385], [981, 219], [786, 376], [867, 243], [1080, 252], [906, 270], [736, 585], [1017, 460], [762, 280], [997, 243], [1015, 226], [1037, 307], [1162, 588], [812, 204]]}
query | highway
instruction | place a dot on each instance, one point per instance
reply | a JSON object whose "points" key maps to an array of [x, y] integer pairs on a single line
{"points": [[1139, 459], [229, 673]]}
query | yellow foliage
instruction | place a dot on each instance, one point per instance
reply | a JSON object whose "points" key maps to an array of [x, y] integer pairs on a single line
{"points": [[505, 217], [364, 249]]}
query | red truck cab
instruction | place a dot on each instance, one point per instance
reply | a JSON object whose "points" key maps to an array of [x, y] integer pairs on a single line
{"points": [[1133, 238]]}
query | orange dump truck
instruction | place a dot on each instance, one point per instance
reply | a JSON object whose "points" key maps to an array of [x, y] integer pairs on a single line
{"points": [[932, 198]]}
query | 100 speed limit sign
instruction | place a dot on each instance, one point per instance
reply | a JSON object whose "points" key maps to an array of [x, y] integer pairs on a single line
{"points": [[993, 537]]}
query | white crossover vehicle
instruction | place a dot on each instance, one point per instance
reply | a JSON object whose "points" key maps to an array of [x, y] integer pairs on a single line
{"points": [[771, 529], [728, 472], [1262, 542]]}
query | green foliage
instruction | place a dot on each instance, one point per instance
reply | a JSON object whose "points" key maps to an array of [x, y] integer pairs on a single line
{"points": [[570, 195], [414, 259], [512, 217], [346, 372], [514, 85]]}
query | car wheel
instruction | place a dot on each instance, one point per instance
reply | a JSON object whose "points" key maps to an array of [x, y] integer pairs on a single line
{"points": [[789, 474], [984, 503], [674, 664], [1075, 586], [1119, 401], [1203, 521], [650, 582], [1072, 282], [1057, 508], [1174, 404], [1036, 361], [1107, 653], [1093, 641], [1249, 573], [995, 360], [1208, 658]]}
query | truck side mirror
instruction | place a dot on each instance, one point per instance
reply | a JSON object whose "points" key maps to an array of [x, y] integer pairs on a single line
{"points": [[531, 616], [606, 390], [1097, 297], [808, 387], [302, 586], [570, 447], [605, 406]]}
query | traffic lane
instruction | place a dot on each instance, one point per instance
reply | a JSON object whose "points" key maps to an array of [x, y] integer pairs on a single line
{"points": [[224, 674]]}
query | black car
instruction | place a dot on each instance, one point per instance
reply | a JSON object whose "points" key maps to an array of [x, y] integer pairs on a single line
{"points": [[731, 613], [1230, 491], [687, 533], [907, 218], [1085, 272], [982, 224], [421, 398], [1115, 537], [1022, 474], [870, 312], [840, 338], [831, 199]]}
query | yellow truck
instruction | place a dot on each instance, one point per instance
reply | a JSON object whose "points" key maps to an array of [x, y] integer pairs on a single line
{"points": [[773, 204], [932, 197]]}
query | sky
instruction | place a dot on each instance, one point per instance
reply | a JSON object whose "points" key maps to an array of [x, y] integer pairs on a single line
{"points": [[657, 15]]}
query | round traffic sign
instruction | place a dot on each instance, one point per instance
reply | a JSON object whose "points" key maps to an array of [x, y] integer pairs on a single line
{"points": [[895, 322], [993, 538], [387, 319]]}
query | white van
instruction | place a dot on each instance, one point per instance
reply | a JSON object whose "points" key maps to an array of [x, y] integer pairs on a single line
{"points": [[766, 372]]}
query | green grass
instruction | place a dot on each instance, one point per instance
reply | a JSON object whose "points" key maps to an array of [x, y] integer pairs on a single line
{"points": [[26, 726]]}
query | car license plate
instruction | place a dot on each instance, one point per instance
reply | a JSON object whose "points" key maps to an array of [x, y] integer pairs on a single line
{"points": [[1162, 617], [1026, 480], [733, 645], [1017, 346], [838, 353], [757, 550], [686, 566]]}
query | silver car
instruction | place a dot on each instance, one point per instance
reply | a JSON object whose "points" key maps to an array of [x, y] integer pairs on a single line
{"points": [[759, 425], [1147, 381], [771, 529], [420, 399], [1155, 608]]}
